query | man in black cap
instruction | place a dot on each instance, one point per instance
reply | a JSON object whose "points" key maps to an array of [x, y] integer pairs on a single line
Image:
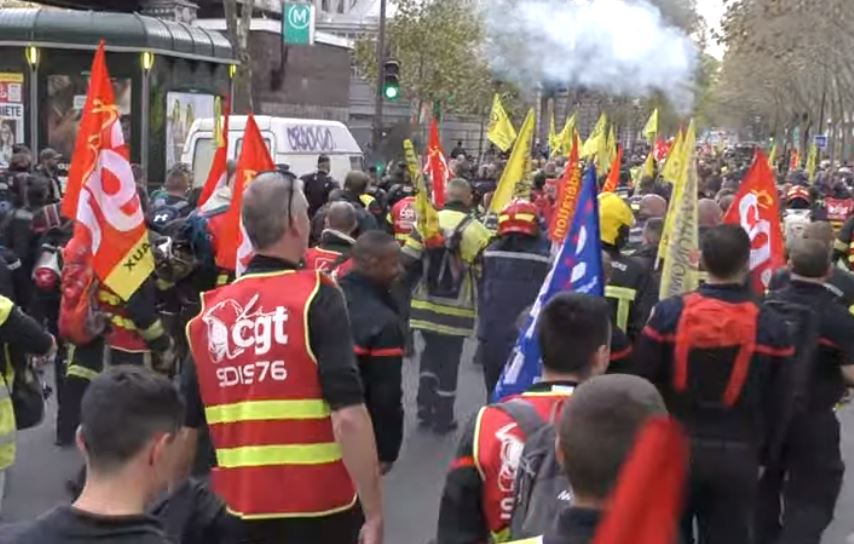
{"points": [[318, 185], [47, 167]]}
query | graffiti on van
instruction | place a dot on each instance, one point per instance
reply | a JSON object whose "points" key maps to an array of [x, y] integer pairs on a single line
{"points": [[310, 138]]}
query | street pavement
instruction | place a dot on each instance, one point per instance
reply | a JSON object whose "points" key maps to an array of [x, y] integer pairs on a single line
{"points": [[412, 489]]}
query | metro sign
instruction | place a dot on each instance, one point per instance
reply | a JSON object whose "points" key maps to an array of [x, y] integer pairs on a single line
{"points": [[298, 24]]}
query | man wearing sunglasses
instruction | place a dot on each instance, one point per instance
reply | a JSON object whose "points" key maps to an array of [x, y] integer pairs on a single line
{"points": [[275, 380]]}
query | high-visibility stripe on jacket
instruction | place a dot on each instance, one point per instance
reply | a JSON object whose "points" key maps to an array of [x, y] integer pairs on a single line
{"points": [[271, 428], [453, 317], [122, 334], [7, 411], [625, 297]]}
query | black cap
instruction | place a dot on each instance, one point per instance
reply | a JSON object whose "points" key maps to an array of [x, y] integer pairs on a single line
{"points": [[323, 159]]}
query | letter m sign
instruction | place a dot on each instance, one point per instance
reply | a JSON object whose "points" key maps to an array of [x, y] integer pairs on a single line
{"points": [[298, 24]]}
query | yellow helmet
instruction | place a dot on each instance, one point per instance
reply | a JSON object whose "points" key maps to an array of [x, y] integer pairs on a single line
{"points": [[614, 213]]}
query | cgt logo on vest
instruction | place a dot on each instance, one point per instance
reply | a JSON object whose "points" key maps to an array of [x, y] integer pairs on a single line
{"points": [[234, 330]]}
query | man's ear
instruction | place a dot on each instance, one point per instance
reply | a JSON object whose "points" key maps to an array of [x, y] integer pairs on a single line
{"points": [[602, 359], [558, 451]]}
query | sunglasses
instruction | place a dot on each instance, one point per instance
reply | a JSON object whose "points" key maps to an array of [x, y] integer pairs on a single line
{"points": [[291, 189]]}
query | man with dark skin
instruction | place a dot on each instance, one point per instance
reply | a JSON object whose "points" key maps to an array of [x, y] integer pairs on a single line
{"points": [[378, 336]]}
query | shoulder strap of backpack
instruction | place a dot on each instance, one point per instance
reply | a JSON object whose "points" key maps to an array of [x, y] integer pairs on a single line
{"points": [[524, 414]]}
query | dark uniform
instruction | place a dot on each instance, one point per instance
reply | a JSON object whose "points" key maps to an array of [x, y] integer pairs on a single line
{"points": [[724, 393], [379, 343], [840, 284], [317, 187], [514, 267], [631, 292], [810, 457], [574, 526]]}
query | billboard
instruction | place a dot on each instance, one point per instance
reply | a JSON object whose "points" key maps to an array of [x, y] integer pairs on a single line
{"points": [[181, 110]]}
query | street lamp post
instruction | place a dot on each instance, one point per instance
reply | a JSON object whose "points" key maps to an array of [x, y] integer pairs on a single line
{"points": [[378, 110]]}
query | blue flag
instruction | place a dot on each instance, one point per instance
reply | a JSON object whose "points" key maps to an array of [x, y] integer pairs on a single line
{"points": [[578, 267]]}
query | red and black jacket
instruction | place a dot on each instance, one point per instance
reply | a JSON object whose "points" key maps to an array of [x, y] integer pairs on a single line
{"points": [[704, 391]]}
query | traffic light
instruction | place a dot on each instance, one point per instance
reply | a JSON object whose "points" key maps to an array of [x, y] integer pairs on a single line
{"points": [[391, 80]]}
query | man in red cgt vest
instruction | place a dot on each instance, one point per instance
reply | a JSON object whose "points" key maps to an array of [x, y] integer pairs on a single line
{"points": [[276, 383]]}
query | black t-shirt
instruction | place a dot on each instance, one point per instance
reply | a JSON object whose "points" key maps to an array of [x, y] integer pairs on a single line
{"points": [[67, 525], [329, 337]]}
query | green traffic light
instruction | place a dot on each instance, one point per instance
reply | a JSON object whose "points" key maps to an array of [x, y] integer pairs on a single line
{"points": [[391, 92]]}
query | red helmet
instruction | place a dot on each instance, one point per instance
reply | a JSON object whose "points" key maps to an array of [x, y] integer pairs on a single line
{"points": [[798, 192], [519, 216]]}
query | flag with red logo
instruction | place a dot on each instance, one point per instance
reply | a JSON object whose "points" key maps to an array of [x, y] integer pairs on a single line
{"points": [[254, 159], [795, 160], [218, 174], [614, 175], [568, 189], [437, 165], [101, 194], [661, 149], [756, 209], [659, 460]]}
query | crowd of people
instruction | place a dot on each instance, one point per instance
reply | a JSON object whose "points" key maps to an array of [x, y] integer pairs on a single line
{"points": [[267, 408]]}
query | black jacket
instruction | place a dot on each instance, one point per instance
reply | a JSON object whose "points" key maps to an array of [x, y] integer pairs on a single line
{"points": [[840, 284], [835, 344], [628, 273], [574, 526], [379, 343], [317, 187], [754, 418]]}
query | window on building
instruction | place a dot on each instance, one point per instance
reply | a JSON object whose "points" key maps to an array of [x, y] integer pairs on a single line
{"points": [[324, 5], [340, 6]]}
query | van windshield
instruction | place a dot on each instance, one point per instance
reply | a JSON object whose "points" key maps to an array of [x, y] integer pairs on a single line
{"points": [[202, 159]]}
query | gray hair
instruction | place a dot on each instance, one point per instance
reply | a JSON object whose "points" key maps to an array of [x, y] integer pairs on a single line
{"points": [[265, 208]]}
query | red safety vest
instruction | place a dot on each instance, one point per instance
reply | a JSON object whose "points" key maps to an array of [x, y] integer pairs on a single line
{"points": [[838, 211], [276, 453], [331, 262], [498, 444], [121, 333], [403, 218]]}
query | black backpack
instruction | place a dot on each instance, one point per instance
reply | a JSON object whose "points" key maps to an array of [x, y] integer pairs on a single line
{"points": [[804, 330], [541, 489], [162, 213], [444, 267]]}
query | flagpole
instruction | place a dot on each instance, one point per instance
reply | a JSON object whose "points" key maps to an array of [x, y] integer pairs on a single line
{"points": [[378, 111]]}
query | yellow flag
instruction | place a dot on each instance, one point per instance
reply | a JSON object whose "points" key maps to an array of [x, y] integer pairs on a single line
{"points": [[514, 171], [772, 157], [426, 216], [679, 159], [598, 138], [651, 128], [680, 271], [649, 166], [565, 138], [554, 139], [608, 152], [812, 162], [500, 130], [218, 136], [671, 171]]}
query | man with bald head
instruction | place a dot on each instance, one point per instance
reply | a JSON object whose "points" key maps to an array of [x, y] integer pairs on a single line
{"points": [[708, 215], [650, 206], [840, 282], [273, 373], [332, 254]]}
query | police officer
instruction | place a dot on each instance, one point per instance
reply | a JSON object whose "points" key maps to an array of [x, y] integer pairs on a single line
{"points": [[319, 184], [514, 267], [443, 304], [21, 332], [811, 458], [332, 255], [630, 292], [716, 357], [477, 503], [275, 379]]}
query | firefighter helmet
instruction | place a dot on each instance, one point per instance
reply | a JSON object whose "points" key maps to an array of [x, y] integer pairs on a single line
{"points": [[519, 216]]}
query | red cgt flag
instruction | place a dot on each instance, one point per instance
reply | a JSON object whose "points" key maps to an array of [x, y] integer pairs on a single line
{"points": [[254, 159], [218, 174], [101, 194], [756, 209], [567, 196], [437, 165], [614, 175], [659, 460]]}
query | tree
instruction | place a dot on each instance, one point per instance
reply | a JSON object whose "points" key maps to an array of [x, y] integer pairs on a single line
{"points": [[438, 44], [238, 27]]}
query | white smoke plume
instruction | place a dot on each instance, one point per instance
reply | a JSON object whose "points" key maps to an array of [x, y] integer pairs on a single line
{"points": [[620, 47]]}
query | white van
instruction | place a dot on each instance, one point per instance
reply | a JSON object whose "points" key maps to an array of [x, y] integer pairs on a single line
{"points": [[295, 142]]}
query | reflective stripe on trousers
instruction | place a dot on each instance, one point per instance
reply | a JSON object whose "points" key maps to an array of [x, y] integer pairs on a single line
{"points": [[625, 296]]}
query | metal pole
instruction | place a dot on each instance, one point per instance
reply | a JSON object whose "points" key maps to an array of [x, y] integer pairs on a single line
{"points": [[378, 110], [34, 108], [143, 126]]}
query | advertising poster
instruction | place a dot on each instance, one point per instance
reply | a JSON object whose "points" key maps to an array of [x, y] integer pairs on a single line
{"points": [[181, 110], [11, 114], [66, 96]]}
